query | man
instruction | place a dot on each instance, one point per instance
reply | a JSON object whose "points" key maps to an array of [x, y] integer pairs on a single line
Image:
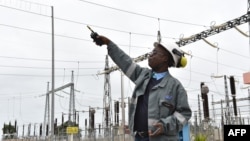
{"points": [[159, 107]]}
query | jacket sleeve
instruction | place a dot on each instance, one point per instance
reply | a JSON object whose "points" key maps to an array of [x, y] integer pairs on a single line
{"points": [[124, 62], [174, 123]]}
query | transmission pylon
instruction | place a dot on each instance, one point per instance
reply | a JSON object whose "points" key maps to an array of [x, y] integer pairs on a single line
{"points": [[46, 121], [107, 103], [46, 124], [72, 101]]}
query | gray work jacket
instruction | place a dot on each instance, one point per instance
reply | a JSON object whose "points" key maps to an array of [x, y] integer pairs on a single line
{"points": [[167, 100]]}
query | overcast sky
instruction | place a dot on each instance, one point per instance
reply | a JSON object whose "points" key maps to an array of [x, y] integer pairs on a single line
{"points": [[26, 50]]}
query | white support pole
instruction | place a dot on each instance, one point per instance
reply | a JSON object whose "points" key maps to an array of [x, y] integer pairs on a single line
{"points": [[122, 106], [53, 76]]}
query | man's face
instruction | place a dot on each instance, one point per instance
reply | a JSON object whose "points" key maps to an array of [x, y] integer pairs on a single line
{"points": [[158, 59]]}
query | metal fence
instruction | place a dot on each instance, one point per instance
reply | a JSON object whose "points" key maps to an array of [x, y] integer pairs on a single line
{"points": [[212, 133]]}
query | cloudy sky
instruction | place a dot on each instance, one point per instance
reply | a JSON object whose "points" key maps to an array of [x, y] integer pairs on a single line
{"points": [[26, 51]]}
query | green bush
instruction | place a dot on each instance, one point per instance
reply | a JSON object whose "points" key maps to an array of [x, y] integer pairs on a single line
{"points": [[200, 137]]}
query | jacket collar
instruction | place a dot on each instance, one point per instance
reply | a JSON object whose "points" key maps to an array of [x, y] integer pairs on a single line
{"points": [[164, 81], [160, 75]]}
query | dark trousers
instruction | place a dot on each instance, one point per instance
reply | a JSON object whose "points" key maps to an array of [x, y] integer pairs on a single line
{"points": [[139, 138]]}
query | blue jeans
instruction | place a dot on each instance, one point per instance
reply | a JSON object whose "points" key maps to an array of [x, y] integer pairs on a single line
{"points": [[139, 138]]}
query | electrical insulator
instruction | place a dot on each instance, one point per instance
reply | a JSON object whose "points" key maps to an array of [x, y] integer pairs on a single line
{"points": [[232, 86], [159, 36], [75, 117], [4, 129], [99, 128], [62, 119], [107, 116], [86, 122], [29, 126], [117, 106], [15, 126], [92, 118], [204, 92], [47, 130], [55, 125], [78, 119], [9, 129], [115, 112], [55, 121], [40, 130]]}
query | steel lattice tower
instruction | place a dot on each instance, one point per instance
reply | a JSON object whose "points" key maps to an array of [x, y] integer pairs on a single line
{"points": [[107, 103], [46, 121], [72, 101]]}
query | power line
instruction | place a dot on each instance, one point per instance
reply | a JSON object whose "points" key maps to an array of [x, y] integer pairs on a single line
{"points": [[182, 42], [105, 27], [70, 37], [48, 60], [130, 12], [143, 15], [37, 31], [221, 63], [41, 67], [30, 75], [76, 38]]}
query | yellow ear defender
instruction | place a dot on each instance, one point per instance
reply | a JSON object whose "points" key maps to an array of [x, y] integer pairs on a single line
{"points": [[183, 61]]}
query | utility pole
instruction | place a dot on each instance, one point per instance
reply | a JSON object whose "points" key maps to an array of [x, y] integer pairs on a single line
{"points": [[53, 75]]}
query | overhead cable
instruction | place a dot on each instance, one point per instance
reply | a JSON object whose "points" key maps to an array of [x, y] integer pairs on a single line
{"points": [[143, 15]]}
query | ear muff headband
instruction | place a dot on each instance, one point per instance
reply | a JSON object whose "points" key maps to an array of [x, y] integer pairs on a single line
{"points": [[182, 61]]}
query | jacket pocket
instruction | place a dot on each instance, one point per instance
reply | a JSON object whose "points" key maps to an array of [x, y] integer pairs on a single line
{"points": [[166, 108]]}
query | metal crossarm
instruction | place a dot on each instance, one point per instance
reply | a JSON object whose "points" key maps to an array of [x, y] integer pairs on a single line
{"points": [[202, 35], [214, 30]]}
